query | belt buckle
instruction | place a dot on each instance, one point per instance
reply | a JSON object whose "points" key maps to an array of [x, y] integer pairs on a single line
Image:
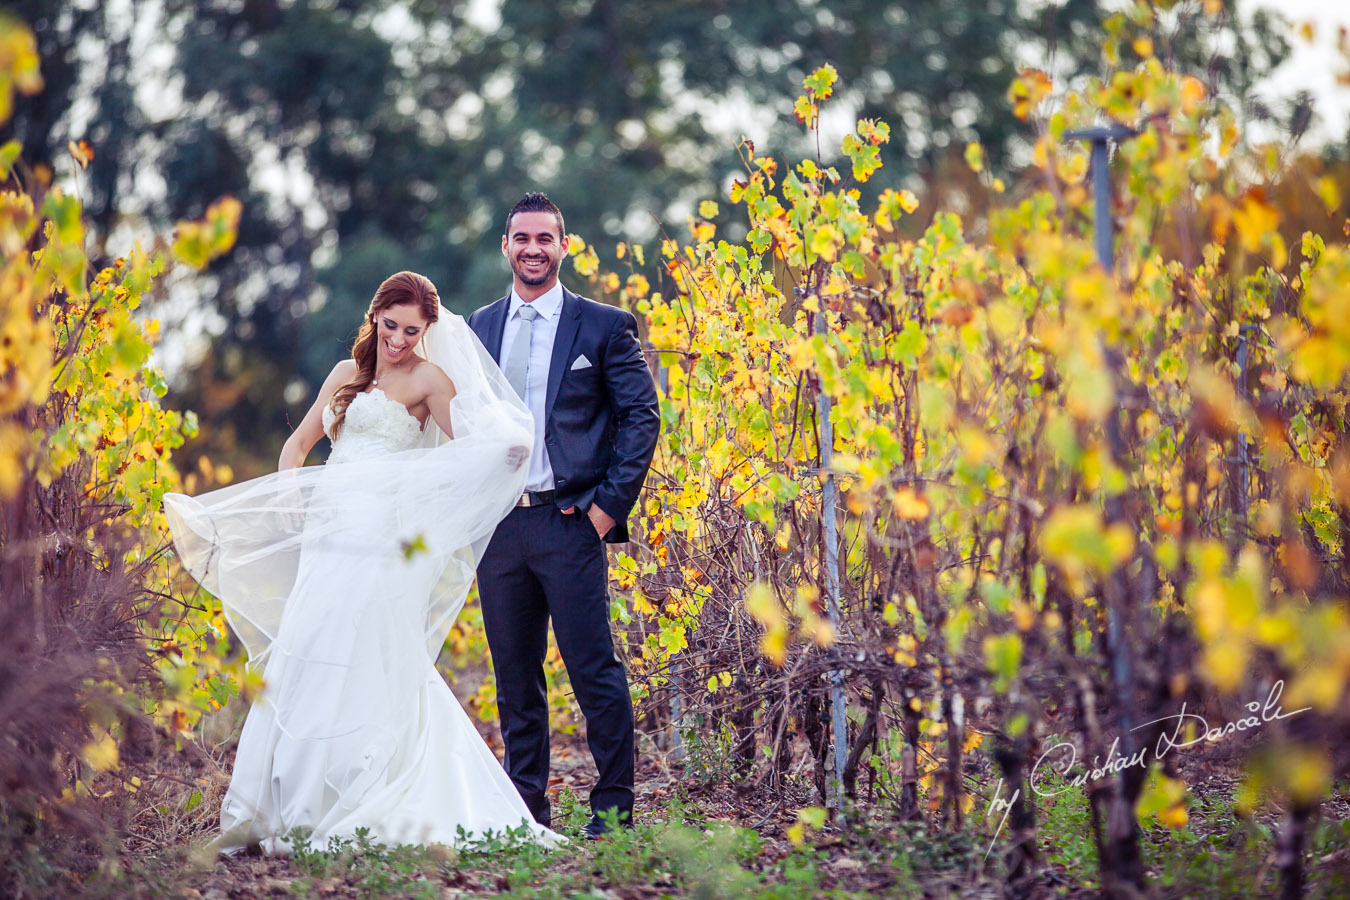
{"points": [[524, 500]]}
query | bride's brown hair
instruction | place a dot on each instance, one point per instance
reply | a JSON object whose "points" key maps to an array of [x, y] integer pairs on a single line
{"points": [[399, 289]]}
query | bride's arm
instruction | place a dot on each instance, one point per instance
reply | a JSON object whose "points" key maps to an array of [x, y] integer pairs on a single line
{"points": [[310, 429], [440, 390]]}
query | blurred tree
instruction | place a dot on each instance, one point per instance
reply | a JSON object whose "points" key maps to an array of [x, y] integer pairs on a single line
{"points": [[365, 137], [296, 106], [85, 54]]}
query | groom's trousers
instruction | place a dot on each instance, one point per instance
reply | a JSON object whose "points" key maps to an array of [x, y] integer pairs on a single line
{"points": [[539, 564]]}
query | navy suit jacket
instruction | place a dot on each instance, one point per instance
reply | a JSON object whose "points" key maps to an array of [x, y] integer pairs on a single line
{"points": [[601, 422]]}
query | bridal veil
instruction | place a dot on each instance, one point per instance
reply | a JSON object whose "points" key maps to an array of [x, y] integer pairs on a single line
{"points": [[428, 511]]}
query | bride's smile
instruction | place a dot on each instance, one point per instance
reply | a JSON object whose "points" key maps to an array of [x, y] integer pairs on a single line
{"points": [[400, 329]]}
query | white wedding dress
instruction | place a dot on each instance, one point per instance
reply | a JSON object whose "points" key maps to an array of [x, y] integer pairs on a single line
{"points": [[342, 581]]}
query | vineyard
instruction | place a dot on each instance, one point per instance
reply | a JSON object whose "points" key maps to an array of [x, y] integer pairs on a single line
{"points": [[1010, 534]]}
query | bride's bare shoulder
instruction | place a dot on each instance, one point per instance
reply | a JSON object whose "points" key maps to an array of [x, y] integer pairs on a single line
{"points": [[342, 373], [429, 371], [430, 376]]}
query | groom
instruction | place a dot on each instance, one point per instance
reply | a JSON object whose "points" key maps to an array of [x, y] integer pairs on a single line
{"points": [[579, 368]]}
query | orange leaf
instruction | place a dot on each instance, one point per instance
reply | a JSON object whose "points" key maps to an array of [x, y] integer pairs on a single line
{"points": [[81, 152]]}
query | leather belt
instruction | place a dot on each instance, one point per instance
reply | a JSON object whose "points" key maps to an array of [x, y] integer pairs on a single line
{"points": [[535, 498]]}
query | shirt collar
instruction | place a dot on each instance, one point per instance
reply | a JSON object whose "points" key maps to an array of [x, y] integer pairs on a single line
{"points": [[548, 304]]}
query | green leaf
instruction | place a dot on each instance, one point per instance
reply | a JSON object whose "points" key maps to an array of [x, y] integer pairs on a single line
{"points": [[65, 213], [1003, 656], [821, 82], [814, 816], [413, 547], [866, 158], [975, 157], [154, 379], [910, 343], [997, 596], [8, 154]]}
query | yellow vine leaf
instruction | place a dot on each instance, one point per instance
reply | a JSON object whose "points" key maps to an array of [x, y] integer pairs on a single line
{"points": [[910, 505], [197, 243], [974, 156], [19, 63], [1255, 219], [100, 754]]}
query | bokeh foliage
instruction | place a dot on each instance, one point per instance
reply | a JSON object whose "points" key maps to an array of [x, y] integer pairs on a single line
{"points": [[1073, 499], [97, 643], [368, 137]]}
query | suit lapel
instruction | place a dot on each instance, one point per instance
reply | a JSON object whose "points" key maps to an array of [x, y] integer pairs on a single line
{"points": [[568, 323], [494, 325]]}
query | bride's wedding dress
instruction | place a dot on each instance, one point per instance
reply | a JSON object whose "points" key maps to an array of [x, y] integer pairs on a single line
{"points": [[342, 581]]}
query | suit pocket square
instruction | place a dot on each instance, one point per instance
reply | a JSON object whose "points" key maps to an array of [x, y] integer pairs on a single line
{"points": [[581, 363]]}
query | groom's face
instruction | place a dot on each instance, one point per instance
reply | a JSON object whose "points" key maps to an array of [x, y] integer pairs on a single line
{"points": [[534, 247]]}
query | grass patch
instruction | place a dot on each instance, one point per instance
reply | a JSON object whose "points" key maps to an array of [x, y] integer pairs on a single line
{"points": [[670, 857]]}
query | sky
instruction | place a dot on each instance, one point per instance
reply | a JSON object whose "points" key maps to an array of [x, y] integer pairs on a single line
{"points": [[1314, 65]]}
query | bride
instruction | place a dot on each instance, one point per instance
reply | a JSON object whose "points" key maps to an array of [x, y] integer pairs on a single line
{"points": [[342, 581]]}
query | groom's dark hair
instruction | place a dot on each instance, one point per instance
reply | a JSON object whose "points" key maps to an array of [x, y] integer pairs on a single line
{"points": [[536, 201]]}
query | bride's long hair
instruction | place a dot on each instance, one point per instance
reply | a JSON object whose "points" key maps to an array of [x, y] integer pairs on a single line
{"points": [[397, 290]]}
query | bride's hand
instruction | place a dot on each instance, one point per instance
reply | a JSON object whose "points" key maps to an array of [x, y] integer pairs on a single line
{"points": [[517, 455]]}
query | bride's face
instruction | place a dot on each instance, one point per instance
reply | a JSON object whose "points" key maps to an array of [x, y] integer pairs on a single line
{"points": [[399, 328]]}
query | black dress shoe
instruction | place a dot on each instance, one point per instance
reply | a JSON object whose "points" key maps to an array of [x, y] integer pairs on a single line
{"points": [[540, 811], [597, 827]]}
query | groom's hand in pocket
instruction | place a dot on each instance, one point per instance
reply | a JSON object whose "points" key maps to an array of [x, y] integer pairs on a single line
{"points": [[600, 519]]}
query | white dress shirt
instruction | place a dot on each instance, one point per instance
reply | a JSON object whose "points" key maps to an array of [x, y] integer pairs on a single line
{"points": [[549, 307]]}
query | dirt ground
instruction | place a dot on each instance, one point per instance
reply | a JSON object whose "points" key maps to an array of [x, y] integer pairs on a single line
{"points": [[946, 865]]}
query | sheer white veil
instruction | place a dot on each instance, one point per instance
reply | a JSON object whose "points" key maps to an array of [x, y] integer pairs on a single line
{"points": [[410, 526], [484, 398]]}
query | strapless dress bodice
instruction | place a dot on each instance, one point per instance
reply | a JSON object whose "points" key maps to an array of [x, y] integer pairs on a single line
{"points": [[374, 426]]}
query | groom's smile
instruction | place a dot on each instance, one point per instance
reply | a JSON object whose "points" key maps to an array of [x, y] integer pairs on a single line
{"points": [[534, 248], [534, 264]]}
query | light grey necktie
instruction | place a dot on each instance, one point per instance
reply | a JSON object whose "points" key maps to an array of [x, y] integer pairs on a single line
{"points": [[517, 360]]}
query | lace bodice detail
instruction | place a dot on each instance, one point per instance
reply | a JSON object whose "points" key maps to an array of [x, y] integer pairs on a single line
{"points": [[374, 425]]}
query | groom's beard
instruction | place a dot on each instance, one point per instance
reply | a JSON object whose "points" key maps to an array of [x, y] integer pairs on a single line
{"points": [[533, 280]]}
